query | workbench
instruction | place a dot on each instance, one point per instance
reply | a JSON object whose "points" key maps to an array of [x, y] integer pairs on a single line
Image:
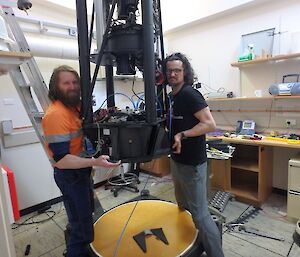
{"points": [[249, 173]]}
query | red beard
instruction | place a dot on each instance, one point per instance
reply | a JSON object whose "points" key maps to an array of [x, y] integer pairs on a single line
{"points": [[70, 99]]}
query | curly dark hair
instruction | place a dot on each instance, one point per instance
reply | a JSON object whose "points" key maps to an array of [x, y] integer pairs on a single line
{"points": [[53, 84], [189, 74]]}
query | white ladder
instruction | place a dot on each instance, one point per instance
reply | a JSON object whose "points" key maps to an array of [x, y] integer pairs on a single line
{"points": [[26, 76]]}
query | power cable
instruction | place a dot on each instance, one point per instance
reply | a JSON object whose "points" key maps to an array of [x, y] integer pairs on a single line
{"points": [[132, 89], [209, 89], [25, 222], [118, 94]]}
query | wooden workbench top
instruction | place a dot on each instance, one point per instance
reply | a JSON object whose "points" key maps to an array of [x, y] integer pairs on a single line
{"points": [[268, 141]]}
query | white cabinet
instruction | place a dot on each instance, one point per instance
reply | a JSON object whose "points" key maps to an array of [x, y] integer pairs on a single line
{"points": [[293, 203], [6, 241]]}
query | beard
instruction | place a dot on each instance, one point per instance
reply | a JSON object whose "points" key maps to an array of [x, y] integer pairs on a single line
{"points": [[69, 99]]}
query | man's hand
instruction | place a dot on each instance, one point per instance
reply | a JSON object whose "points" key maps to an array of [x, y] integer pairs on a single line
{"points": [[103, 161], [177, 143]]}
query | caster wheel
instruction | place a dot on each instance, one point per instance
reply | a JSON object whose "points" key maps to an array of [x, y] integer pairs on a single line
{"points": [[145, 192]]}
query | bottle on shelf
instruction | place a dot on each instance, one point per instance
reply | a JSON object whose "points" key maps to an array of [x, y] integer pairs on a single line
{"points": [[248, 54]]}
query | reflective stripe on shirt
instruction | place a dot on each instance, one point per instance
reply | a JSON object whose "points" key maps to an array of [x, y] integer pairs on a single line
{"points": [[63, 138]]}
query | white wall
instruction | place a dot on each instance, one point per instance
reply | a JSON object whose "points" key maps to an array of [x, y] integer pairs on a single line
{"points": [[176, 13], [212, 44], [49, 12]]}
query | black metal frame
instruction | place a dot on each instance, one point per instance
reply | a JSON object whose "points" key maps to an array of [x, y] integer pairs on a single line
{"points": [[150, 121]]}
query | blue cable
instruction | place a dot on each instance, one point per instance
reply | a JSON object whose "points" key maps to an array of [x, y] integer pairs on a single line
{"points": [[134, 107], [139, 100], [160, 106], [157, 100], [170, 117]]}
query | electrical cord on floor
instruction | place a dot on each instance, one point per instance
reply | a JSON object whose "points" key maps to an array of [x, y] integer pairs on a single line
{"points": [[157, 180], [123, 231], [226, 224], [290, 249], [25, 222], [60, 208]]}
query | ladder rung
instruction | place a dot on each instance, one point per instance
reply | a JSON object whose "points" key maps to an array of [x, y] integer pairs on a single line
{"points": [[26, 76], [37, 114], [25, 85]]}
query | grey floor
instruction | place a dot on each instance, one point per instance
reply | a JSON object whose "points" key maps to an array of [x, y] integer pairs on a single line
{"points": [[47, 238]]}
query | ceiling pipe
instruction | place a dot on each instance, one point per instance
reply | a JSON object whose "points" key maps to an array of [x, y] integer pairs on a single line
{"points": [[53, 48], [52, 40]]}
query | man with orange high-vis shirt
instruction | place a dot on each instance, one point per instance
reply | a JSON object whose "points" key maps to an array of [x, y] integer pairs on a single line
{"points": [[72, 173]]}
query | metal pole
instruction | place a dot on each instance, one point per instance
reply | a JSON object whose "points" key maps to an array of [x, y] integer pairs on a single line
{"points": [[100, 22], [84, 62], [101, 14], [91, 28], [162, 49], [161, 31], [103, 45], [148, 59], [110, 91]]}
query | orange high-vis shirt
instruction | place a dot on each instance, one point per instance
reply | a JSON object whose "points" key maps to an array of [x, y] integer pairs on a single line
{"points": [[63, 124]]}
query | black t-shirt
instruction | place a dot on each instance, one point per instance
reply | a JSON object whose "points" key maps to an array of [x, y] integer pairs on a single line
{"points": [[185, 104]]}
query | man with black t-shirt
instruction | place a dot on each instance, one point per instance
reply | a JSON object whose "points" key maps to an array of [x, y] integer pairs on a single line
{"points": [[190, 121]]}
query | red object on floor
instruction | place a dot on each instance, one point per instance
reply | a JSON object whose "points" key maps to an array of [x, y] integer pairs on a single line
{"points": [[13, 192]]}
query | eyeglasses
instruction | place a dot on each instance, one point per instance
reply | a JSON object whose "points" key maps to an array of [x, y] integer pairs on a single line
{"points": [[176, 71]]}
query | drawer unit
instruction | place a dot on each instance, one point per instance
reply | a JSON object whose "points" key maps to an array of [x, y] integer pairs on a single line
{"points": [[293, 204], [293, 201], [294, 176]]}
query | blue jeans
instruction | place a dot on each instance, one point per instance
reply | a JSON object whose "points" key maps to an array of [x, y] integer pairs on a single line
{"points": [[77, 193], [190, 192]]}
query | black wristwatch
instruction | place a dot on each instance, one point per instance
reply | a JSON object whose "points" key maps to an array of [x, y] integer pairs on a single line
{"points": [[182, 135]]}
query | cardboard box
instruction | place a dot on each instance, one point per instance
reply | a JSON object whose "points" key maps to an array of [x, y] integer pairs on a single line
{"points": [[158, 167]]}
